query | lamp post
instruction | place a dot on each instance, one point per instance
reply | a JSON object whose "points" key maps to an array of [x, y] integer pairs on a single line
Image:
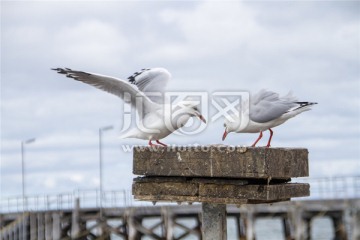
{"points": [[23, 143], [101, 130]]}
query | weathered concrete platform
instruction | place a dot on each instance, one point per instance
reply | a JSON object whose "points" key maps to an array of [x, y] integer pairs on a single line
{"points": [[219, 174], [220, 191], [222, 161]]}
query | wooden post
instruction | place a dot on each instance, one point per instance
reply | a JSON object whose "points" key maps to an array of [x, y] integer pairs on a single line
{"points": [[33, 226], [298, 224], [133, 233], [26, 225], [250, 224], [287, 228], [308, 222], [75, 220], [48, 226], [168, 218], [56, 231], [22, 227], [356, 223], [16, 234], [214, 221], [339, 227], [41, 227], [239, 227]]}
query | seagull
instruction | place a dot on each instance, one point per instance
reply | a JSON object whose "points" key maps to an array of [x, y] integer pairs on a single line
{"points": [[156, 118], [264, 111]]}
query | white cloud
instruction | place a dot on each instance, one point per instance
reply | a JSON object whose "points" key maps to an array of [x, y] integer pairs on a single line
{"points": [[210, 29], [25, 36], [92, 42], [213, 29]]}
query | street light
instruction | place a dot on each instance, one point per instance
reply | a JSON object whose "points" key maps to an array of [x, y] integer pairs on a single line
{"points": [[101, 130], [28, 141]]}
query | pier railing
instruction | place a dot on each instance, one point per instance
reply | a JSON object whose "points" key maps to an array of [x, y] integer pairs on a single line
{"points": [[339, 187], [89, 198], [344, 187]]}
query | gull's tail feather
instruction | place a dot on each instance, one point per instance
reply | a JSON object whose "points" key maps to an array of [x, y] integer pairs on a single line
{"points": [[302, 106]]}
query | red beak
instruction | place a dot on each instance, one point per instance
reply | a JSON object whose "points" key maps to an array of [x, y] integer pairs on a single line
{"points": [[201, 118], [224, 135]]}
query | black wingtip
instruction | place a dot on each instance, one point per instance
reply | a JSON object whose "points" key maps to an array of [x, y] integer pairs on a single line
{"points": [[132, 78], [304, 104], [311, 103], [56, 69], [61, 70]]}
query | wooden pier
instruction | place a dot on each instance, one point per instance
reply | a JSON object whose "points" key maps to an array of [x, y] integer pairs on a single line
{"points": [[167, 222]]}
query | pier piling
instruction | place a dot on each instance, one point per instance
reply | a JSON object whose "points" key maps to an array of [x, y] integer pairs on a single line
{"points": [[214, 221]]}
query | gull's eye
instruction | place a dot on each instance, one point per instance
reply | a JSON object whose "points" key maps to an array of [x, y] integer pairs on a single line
{"points": [[196, 109], [225, 125]]}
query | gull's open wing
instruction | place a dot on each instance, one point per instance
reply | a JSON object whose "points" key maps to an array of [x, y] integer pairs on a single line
{"points": [[121, 88]]}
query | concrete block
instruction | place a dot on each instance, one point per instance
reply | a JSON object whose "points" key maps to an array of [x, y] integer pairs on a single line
{"points": [[221, 161]]}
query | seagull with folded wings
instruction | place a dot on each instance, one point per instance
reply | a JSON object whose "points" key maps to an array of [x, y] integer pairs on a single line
{"points": [[264, 111]]}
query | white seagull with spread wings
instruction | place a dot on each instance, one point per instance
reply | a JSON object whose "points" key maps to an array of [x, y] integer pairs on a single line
{"points": [[264, 111], [156, 120]]}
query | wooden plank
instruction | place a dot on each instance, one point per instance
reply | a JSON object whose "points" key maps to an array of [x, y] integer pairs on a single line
{"points": [[231, 192], [221, 161]]}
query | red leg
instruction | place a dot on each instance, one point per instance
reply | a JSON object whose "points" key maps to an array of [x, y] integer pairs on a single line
{"points": [[162, 144], [260, 136], [271, 134], [151, 144]]}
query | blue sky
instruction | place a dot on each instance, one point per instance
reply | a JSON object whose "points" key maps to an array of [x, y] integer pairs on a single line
{"points": [[309, 47]]}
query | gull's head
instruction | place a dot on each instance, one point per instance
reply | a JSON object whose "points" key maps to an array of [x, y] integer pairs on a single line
{"points": [[230, 125], [197, 113], [191, 107]]}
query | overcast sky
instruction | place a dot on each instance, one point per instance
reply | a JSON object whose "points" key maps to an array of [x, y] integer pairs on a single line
{"points": [[310, 47]]}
